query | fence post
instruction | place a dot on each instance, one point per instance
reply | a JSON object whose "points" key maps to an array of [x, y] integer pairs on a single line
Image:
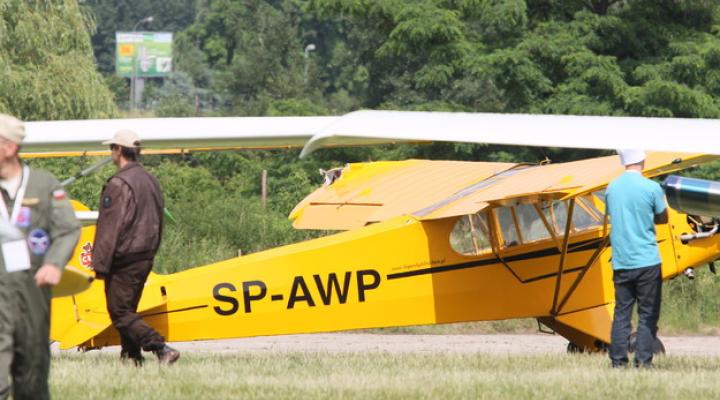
{"points": [[263, 188]]}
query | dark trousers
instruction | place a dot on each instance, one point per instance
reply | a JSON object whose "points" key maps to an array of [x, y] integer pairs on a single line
{"points": [[24, 332], [644, 286], [123, 288]]}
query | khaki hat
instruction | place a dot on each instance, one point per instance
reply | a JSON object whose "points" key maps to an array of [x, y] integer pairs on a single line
{"points": [[631, 156], [11, 128], [125, 138]]}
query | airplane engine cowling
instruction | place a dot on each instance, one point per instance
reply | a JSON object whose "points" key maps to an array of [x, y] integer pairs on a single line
{"points": [[693, 196]]}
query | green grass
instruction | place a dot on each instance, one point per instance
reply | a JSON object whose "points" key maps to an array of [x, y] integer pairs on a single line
{"points": [[380, 375]]}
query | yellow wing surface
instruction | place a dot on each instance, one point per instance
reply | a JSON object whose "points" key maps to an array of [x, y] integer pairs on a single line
{"points": [[372, 192]]}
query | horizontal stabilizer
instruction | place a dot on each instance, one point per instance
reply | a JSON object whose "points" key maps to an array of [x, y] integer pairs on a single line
{"points": [[80, 333]]}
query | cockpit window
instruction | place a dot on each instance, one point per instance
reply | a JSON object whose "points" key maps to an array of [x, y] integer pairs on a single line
{"points": [[524, 224], [471, 235], [507, 227], [532, 226], [586, 215]]}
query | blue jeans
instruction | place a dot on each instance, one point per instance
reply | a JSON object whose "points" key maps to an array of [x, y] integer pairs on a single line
{"points": [[643, 285]]}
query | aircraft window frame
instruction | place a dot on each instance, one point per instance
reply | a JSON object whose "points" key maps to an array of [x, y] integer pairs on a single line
{"points": [[465, 234], [593, 217], [552, 214], [501, 225], [586, 203], [550, 228], [529, 226], [598, 199], [518, 231]]}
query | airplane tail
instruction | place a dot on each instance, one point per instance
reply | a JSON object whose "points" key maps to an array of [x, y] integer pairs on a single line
{"points": [[82, 319]]}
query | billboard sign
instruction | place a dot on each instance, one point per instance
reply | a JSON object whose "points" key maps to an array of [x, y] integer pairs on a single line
{"points": [[143, 54]]}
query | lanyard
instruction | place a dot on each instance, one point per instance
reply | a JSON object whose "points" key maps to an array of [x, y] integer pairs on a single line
{"points": [[18, 199]]}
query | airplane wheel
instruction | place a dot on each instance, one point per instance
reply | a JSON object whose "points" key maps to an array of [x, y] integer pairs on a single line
{"points": [[572, 348], [658, 346]]}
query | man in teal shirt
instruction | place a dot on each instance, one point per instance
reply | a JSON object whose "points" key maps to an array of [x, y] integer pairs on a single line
{"points": [[635, 204]]}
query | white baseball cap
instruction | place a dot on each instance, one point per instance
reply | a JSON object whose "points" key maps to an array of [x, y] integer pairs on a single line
{"points": [[125, 138], [631, 156], [11, 128]]}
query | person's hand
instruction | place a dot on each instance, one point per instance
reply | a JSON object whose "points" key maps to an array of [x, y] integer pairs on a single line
{"points": [[48, 276]]}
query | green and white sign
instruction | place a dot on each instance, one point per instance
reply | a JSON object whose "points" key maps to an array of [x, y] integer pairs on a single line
{"points": [[143, 54]]}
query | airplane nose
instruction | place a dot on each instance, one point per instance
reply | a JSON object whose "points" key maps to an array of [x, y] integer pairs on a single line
{"points": [[693, 196]]}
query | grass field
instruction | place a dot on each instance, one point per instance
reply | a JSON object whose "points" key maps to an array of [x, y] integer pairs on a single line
{"points": [[380, 375]]}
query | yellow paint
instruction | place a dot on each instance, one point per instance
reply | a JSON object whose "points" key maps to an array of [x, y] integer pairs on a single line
{"points": [[388, 270]]}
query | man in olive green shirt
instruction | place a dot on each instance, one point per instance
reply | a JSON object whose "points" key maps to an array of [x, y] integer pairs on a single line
{"points": [[38, 233]]}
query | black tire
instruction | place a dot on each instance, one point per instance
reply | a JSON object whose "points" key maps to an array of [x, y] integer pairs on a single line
{"points": [[572, 348], [658, 346]]}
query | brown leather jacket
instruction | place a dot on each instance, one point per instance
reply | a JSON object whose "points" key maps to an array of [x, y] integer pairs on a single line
{"points": [[129, 227]]}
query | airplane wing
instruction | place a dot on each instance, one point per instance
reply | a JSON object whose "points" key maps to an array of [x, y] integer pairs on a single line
{"points": [[372, 192], [587, 132], [177, 135], [170, 135]]}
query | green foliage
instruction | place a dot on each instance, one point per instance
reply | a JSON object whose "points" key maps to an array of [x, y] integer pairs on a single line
{"points": [[46, 64], [691, 305], [124, 15], [176, 97]]}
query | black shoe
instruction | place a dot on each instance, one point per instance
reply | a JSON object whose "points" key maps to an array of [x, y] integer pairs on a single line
{"points": [[645, 365], [619, 365], [136, 358], [167, 355]]}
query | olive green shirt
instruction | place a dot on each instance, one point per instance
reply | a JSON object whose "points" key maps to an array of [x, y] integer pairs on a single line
{"points": [[47, 213]]}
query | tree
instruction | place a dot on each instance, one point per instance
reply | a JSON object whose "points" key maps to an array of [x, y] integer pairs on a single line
{"points": [[46, 62], [123, 15]]}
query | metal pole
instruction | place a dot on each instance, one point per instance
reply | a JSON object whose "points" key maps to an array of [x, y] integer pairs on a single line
{"points": [[87, 171], [263, 189], [307, 51], [133, 76]]}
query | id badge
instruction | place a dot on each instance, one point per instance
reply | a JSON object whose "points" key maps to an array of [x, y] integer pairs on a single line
{"points": [[16, 256]]}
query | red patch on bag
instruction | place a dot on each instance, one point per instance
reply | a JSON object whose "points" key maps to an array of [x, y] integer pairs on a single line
{"points": [[59, 194]]}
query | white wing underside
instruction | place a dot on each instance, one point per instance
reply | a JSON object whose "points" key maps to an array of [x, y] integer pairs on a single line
{"points": [[377, 127]]}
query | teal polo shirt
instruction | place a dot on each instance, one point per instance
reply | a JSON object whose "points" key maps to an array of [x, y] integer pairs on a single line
{"points": [[632, 202]]}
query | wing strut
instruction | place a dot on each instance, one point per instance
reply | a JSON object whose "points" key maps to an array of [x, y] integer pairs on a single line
{"points": [[563, 254], [586, 268], [581, 275]]}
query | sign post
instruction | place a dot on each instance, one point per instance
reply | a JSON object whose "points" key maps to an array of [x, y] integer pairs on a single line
{"points": [[142, 55]]}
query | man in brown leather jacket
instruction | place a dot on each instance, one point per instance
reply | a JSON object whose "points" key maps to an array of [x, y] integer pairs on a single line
{"points": [[129, 229]]}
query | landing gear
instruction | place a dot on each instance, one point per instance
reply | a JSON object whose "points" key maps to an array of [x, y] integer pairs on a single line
{"points": [[573, 348], [658, 346]]}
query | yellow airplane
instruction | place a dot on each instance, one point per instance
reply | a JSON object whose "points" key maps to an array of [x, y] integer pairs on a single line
{"points": [[425, 242]]}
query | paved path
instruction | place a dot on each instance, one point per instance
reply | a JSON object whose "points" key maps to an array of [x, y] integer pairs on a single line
{"points": [[362, 342]]}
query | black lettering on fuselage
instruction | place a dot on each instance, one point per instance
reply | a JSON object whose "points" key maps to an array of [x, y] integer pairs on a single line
{"points": [[367, 280], [248, 297], [363, 286], [326, 291], [299, 283], [227, 299]]}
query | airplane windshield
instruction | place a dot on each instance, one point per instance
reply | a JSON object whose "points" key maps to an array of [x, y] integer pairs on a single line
{"points": [[523, 223]]}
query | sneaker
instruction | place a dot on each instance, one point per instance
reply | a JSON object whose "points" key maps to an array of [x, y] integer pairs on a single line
{"points": [[167, 355]]}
